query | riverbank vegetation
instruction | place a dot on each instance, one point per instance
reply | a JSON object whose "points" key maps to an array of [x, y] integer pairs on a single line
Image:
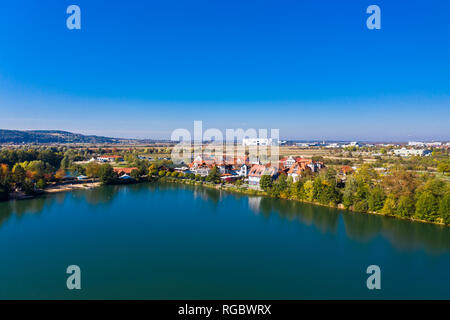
{"points": [[400, 194], [405, 188]]}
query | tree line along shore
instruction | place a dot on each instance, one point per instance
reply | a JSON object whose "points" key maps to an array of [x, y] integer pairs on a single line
{"points": [[418, 195]]}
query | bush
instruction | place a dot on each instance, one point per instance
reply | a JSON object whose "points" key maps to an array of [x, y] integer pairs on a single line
{"points": [[41, 184]]}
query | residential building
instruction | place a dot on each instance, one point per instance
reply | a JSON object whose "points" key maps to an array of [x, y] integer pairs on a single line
{"points": [[257, 171], [242, 171], [297, 170]]}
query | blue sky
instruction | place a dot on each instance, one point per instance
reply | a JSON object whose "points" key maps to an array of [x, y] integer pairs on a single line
{"points": [[309, 68]]}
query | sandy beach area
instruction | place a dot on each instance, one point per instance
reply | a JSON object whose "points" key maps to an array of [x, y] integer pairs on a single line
{"points": [[74, 186]]}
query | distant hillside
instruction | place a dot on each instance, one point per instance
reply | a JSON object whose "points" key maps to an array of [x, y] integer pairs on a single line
{"points": [[52, 136]]}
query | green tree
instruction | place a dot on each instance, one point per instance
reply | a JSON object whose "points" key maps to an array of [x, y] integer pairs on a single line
{"points": [[107, 174], [350, 189], [390, 206], [298, 191], [161, 173], [308, 188], [266, 182], [444, 208], [65, 162], [19, 174], [444, 166], [28, 187], [50, 157], [135, 174], [361, 205], [279, 188], [214, 175], [93, 169], [427, 206], [152, 170], [41, 184], [376, 199], [405, 206]]}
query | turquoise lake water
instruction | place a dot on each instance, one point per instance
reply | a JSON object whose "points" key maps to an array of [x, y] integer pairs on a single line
{"points": [[169, 241]]}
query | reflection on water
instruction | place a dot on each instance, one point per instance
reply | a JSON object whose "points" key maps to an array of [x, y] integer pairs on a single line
{"points": [[20, 208], [404, 235]]}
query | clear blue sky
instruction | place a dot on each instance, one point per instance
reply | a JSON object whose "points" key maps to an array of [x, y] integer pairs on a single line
{"points": [[310, 68]]}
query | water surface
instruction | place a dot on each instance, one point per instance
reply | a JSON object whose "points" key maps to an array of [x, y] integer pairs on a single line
{"points": [[169, 241]]}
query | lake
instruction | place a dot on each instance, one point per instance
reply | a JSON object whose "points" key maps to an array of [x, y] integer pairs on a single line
{"points": [[172, 241]]}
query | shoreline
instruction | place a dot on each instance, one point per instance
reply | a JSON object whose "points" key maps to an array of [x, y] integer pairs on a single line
{"points": [[56, 189], [231, 189], [264, 194], [70, 187]]}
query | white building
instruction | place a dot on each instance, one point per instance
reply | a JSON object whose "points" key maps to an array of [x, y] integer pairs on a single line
{"points": [[109, 158], [403, 152], [257, 171], [416, 143], [243, 171], [425, 144], [352, 144], [259, 142]]}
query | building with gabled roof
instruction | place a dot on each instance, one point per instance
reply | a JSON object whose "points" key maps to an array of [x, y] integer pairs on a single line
{"points": [[257, 171]]}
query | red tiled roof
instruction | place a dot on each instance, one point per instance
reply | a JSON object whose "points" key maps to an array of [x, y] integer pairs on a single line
{"points": [[124, 170], [114, 157], [257, 170], [298, 168], [346, 169]]}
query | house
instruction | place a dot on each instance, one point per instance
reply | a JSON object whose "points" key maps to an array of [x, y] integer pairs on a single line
{"points": [[225, 168], [315, 166], [109, 158], [297, 170], [242, 171], [257, 171], [346, 170], [227, 177], [287, 163], [121, 171], [201, 168]]}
